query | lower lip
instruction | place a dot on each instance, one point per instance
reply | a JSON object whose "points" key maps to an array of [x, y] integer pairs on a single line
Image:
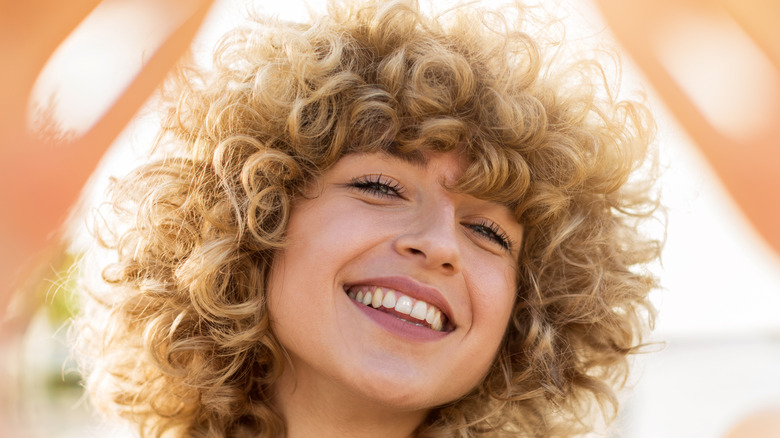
{"points": [[399, 327]]}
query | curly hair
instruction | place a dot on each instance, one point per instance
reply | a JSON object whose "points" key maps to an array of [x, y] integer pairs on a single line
{"points": [[177, 335]]}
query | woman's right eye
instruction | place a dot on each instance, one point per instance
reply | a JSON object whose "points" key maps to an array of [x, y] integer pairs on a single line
{"points": [[378, 185]]}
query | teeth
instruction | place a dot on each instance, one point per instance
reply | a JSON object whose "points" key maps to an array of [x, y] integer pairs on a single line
{"points": [[430, 315], [390, 299], [376, 302], [418, 311], [404, 305], [436, 324]]}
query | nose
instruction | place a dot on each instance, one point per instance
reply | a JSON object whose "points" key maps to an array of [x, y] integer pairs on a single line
{"points": [[432, 239]]}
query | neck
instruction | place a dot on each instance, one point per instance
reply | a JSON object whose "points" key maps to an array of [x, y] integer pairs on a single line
{"points": [[323, 408]]}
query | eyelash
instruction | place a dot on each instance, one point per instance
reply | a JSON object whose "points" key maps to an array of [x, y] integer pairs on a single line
{"points": [[377, 185], [489, 230]]}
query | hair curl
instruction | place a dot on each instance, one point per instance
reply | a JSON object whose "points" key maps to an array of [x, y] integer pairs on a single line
{"points": [[179, 338]]}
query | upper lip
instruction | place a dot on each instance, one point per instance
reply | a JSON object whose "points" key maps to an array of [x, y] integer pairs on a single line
{"points": [[411, 288]]}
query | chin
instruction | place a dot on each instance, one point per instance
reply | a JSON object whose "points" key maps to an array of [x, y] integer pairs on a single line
{"points": [[401, 388]]}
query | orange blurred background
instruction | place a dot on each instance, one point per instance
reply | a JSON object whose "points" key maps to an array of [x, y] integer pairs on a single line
{"points": [[711, 69]]}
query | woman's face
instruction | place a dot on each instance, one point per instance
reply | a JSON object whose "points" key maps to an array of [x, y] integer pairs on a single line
{"points": [[439, 267]]}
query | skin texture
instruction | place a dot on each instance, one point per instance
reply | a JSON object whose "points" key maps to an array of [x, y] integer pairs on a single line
{"points": [[346, 367]]}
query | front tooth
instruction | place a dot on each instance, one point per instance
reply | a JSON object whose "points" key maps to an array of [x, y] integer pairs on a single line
{"points": [[359, 296], [376, 301], [367, 298], [403, 305], [419, 311], [430, 315], [389, 300]]}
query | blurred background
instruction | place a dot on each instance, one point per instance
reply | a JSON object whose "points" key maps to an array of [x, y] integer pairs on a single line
{"points": [[718, 330]]}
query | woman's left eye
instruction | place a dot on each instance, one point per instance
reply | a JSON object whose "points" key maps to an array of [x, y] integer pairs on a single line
{"points": [[489, 230], [378, 185]]}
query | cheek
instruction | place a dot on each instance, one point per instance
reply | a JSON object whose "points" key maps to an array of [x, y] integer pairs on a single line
{"points": [[293, 293], [495, 298], [492, 299], [278, 279], [332, 229]]}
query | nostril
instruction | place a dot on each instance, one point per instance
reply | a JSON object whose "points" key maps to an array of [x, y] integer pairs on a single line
{"points": [[433, 252]]}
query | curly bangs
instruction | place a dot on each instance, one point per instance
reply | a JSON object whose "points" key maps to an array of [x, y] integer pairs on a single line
{"points": [[176, 337]]}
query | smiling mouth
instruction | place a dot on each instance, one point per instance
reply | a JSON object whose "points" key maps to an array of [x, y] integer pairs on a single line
{"points": [[405, 308]]}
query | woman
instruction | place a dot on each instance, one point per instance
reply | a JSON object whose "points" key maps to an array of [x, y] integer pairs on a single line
{"points": [[378, 224]]}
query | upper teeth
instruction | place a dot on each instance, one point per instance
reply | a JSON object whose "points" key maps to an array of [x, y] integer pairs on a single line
{"points": [[390, 299]]}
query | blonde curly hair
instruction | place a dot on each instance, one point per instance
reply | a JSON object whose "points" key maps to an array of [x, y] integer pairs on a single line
{"points": [[178, 339]]}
